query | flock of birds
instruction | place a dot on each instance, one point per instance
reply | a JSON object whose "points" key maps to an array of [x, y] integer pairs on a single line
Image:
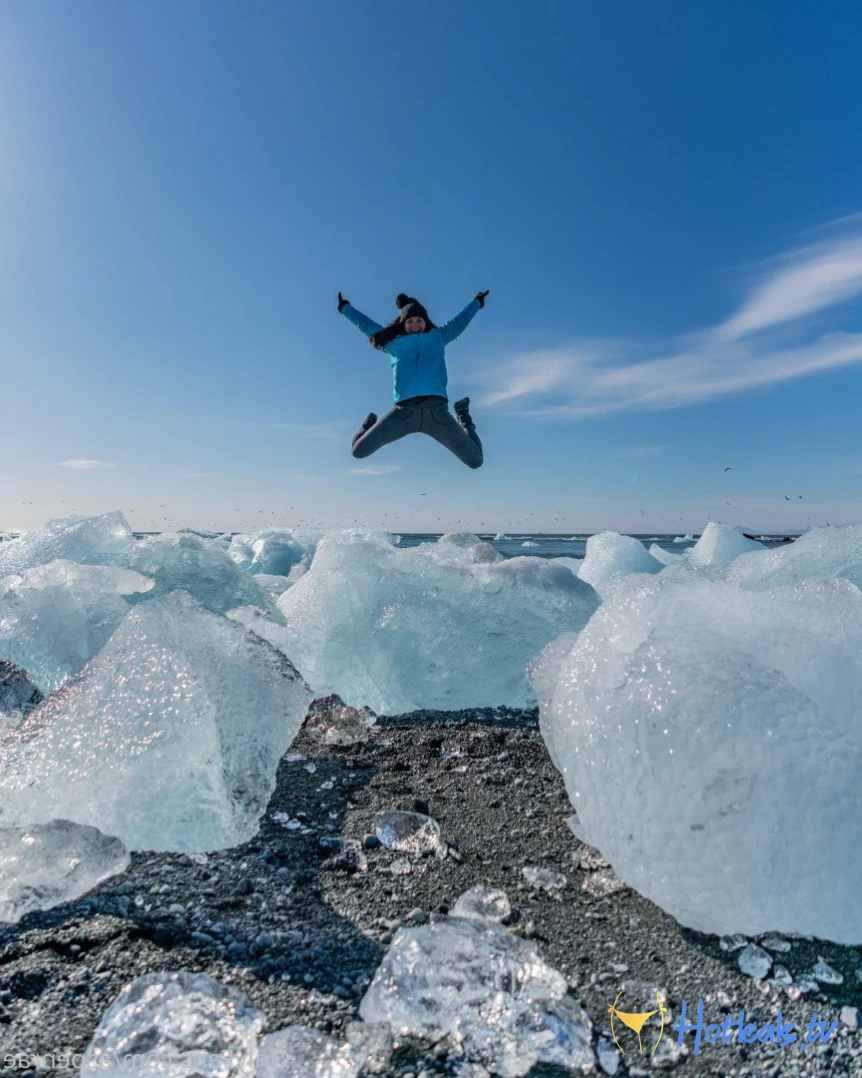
{"points": [[277, 515]]}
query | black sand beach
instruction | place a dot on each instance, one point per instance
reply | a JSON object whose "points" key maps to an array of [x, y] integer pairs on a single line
{"points": [[288, 920]]}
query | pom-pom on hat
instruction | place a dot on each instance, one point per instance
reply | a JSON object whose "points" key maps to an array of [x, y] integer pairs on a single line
{"points": [[410, 307]]}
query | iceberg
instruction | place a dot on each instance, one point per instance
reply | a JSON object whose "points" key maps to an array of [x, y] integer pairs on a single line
{"points": [[200, 567], [176, 1025], [720, 545], [54, 618], [97, 540], [426, 627], [45, 864], [821, 554], [709, 739], [610, 555], [274, 551], [170, 738]]}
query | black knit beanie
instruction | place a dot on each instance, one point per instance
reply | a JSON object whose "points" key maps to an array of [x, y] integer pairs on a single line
{"points": [[410, 308]]}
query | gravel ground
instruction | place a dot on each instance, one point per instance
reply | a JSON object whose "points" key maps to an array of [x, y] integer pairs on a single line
{"points": [[288, 920]]}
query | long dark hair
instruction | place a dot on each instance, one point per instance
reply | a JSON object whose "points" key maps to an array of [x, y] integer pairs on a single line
{"points": [[396, 328]]}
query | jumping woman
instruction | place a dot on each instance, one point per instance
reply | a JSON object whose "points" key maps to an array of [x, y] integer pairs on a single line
{"points": [[418, 351]]}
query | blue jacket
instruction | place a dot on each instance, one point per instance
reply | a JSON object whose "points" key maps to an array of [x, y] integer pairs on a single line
{"points": [[418, 359]]}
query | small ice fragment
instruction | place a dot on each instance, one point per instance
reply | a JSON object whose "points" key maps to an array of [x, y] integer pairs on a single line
{"points": [[775, 943], [293, 757], [408, 832], [825, 974], [780, 977], [331, 722], [45, 864], [401, 867], [733, 943], [806, 986], [328, 785], [482, 903], [755, 962], [199, 858], [311, 768], [850, 1017], [179, 1024], [544, 879], [303, 1052], [487, 991]]}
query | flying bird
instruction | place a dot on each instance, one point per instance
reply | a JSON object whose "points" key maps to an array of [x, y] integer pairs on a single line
{"points": [[728, 469]]}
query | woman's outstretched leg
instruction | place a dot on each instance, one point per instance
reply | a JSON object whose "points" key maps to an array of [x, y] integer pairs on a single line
{"points": [[375, 433], [458, 435]]}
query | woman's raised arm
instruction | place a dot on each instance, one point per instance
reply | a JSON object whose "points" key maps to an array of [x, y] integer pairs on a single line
{"points": [[362, 322], [456, 326]]}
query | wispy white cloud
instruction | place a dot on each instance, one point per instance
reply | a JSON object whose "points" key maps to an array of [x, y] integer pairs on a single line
{"points": [[751, 349], [85, 465], [373, 469]]}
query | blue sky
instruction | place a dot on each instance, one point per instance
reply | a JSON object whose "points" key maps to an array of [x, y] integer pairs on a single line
{"points": [[663, 200]]}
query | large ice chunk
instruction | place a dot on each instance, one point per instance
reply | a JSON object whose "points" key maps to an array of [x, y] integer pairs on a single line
{"points": [[489, 992], [709, 737], [425, 627], [99, 540], [720, 545], [56, 617], [274, 551], [178, 1025], [821, 554], [169, 738], [199, 566], [610, 555], [45, 864]]}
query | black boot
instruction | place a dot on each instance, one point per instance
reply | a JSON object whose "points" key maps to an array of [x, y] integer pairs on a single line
{"points": [[367, 423], [462, 411]]}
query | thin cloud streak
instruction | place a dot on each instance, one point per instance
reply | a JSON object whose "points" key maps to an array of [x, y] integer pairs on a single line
{"points": [[84, 465], [738, 355], [373, 469]]}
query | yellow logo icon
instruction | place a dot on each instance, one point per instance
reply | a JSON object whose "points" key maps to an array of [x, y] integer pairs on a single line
{"points": [[636, 1021]]}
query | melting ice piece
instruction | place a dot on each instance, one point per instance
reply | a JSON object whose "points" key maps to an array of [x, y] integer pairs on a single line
{"points": [[201, 568], [544, 879], [170, 738], [821, 554], [177, 1025], [735, 942], [603, 882], [825, 974], [18, 695], [775, 944], [331, 722], [45, 864], [426, 627], [720, 545], [56, 617], [303, 1052], [99, 540], [275, 551], [489, 992], [484, 903], [408, 832], [755, 962], [611, 555], [744, 706]]}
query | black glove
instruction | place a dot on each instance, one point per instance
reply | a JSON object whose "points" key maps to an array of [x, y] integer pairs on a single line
{"points": [[480, 296], [342, 302]]}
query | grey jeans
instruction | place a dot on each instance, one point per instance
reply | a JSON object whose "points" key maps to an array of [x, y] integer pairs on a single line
{"points": [[421, 415]]}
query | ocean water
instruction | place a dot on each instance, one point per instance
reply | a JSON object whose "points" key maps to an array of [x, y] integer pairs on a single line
{"points": [[561, 545]]}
